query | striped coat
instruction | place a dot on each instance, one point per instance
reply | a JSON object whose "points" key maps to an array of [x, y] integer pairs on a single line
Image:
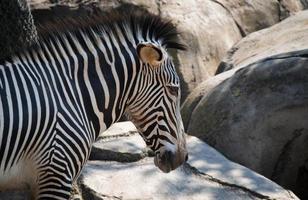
{"points": [[83, 75]]}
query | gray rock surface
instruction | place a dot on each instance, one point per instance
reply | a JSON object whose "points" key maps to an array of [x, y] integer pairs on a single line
{"points": [[15, 195], [142, 180], [207, 34], [258, 14], [258, 117], [288, 35], [206, 175], [121, 142], [202, 90], [17, 29]]}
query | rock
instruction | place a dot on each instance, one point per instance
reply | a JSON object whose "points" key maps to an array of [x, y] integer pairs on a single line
{"points": [[198, 93], [142, 180], [258, 14], [17, 29], [210, 35], [290, 7], [206, 175], [213, 164], [207, 34], [305, 3], [119, 129], [209, 29], [121, 142], [14, 195], [257, 117], [130, 143], [288, 35]]}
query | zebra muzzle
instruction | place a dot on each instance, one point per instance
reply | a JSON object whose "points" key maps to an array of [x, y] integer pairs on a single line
{"points": [[168, 160]]}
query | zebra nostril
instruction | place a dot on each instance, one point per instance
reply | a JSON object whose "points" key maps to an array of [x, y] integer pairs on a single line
{"points": [[167, 156], [186, 157]]}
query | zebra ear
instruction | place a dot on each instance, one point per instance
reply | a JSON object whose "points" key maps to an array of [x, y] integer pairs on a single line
{"points": [[150, 53]]}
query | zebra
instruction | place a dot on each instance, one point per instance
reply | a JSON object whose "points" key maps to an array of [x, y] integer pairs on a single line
{"points": [[81, 76]]}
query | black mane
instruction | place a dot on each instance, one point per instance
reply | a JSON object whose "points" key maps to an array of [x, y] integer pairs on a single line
{"points": [[160, 29]]}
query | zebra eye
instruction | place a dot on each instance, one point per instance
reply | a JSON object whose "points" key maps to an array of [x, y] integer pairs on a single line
{"points": [[174, 90]]}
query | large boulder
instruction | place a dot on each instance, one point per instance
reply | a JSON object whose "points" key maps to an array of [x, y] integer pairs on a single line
{"points": [[209, 28], [206, 175], [288, 35], [201, 91], [17, 29], [258, 14], [285, 142], [258, 116]]}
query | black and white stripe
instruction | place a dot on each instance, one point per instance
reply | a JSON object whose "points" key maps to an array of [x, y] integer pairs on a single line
{"points": [[56, 97]]}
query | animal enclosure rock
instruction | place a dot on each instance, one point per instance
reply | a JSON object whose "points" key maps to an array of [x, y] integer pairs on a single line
{"points": [[119, 129], [143, 181], [258, 14], [15, 195], [121, 142], [288, 35], [198, 93], [17, 29], [258, 117], [207, 174], [218, 168]]}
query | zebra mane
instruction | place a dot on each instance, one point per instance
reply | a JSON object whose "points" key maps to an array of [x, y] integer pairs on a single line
{"points": [[160, 29]]}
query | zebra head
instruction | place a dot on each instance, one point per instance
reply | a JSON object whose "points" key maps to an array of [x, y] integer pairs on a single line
{"points": [[156, 109]]}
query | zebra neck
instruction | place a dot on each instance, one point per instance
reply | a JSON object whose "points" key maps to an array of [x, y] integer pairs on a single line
{"points": [[89, 78], [104, 76]]}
